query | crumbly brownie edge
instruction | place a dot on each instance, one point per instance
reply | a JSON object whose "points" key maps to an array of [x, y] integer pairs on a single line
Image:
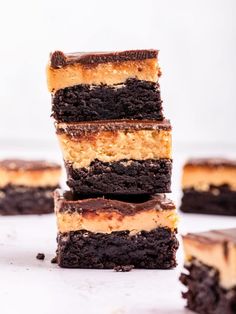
{"points": [[21, 200], [121, 177], [219, 200], [135, 99], [151, 250], [204, 294]]}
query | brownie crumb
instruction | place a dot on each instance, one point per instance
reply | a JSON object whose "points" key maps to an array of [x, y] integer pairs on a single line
{"points": [[123, 268], [54, 260], [40, 256]]}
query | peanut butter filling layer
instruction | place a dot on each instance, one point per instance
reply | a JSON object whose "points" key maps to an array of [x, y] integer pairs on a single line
{"points": [[213, 255], [32, 178], [201, 177], [102, 73], [110, 146], [107, 222]]}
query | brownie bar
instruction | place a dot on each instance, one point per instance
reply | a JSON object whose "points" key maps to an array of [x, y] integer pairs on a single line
{"points": [[26, 186], [204, 294], [209, 186], [117, 157], [23, 200], [84, 249], [210, 261], [121, 177], [218, 200], [135, 99], [107, 232]]}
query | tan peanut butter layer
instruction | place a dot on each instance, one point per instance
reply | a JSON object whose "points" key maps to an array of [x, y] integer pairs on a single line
{"points": [[114, 141], [101, 215], [66, 70], [215, 249], [201, 177], [29, 173]]}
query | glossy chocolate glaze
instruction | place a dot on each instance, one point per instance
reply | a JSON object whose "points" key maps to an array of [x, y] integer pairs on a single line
{"points": [[59, 59], [83, 128], [67, 202]]}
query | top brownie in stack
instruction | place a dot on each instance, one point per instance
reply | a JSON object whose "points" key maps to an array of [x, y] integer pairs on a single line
{"points": [[105, 86]]}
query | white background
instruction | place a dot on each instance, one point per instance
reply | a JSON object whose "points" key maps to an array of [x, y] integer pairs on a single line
{"points": [[197, 42]]}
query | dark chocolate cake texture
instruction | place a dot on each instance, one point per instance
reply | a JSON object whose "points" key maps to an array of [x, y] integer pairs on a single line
{"points": [[210, 271], [209, 186]]}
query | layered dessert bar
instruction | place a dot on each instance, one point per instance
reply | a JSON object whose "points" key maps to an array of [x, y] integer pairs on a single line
{"points": [[210, 277], [26, 187], [209, 186], [117, 157], [105, 86], [105, 233]]}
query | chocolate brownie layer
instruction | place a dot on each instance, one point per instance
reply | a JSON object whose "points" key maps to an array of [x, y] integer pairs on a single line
{"points": [[219, 200], [121, 177], [60, 59], [135, 99], [21, 200], [205, 295], [82, 249]]}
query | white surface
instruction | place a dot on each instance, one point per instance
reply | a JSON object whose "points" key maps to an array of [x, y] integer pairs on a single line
{"points": [[28, 285], [197, 46]]}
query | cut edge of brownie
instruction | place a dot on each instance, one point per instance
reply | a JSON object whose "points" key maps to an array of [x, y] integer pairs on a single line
{"points": [[137, 177], [150, 250], [135, 99], [204, 294], [24, 200], [218, 200]]}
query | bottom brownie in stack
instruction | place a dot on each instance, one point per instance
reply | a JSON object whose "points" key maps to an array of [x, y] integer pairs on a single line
{"points": [[210, 261], [26, 187], [104, 233]]}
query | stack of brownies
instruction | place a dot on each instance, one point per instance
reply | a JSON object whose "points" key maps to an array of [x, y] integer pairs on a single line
{"points": [[116, 146]]}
